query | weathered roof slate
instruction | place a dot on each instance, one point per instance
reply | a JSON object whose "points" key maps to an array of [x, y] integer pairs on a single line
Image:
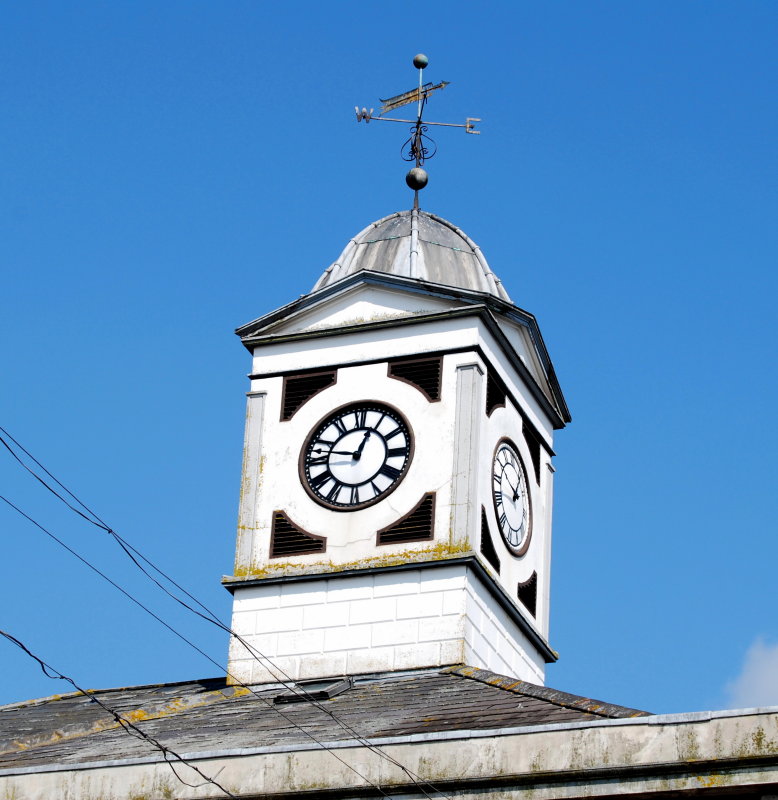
{"points": [[208, 715]]}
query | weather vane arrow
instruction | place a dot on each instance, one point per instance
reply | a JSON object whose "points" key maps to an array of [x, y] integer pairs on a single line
{"points": [[406, 98], [419, 146]]}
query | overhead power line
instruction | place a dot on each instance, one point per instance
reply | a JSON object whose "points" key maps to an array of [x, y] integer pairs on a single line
{"points": [[206, 614], [213, 661], [170, 756]]}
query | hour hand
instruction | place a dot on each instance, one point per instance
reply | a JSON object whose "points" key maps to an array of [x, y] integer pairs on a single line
{"points": [[362, 445]]}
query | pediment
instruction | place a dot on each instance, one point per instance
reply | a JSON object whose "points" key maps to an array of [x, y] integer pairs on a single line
{"points": [[520, 338], [360, 305], [358, 300]]}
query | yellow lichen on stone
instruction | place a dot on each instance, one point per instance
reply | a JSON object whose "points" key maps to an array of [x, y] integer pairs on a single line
{"points": [[137, 715], [712, 780], [440, 551]]}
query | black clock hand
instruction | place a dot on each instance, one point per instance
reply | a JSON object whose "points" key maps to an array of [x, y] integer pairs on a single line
{"points": [[337, 452], [515, 491], [361, 447]]}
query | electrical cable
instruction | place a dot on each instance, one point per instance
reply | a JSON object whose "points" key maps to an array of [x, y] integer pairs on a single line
{"points": [[209, 615], [123, 722], [235, 680]]}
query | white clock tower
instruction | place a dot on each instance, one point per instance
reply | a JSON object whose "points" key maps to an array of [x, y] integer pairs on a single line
{"points": [[395, 509]]}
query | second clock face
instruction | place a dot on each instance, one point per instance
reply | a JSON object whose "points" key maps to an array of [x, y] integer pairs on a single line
{"points": [[356, 456], [511, 498]]}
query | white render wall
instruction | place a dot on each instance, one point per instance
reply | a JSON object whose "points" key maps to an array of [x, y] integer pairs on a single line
{"points": [[454, 448], [407, 619]]}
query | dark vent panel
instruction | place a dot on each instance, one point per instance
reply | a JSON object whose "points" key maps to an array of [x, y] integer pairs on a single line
{"points": [[413, 527], [528, 593], [287, 539], [423, 373], [495, 393], [311, 691], [533, 443], [298, 389], [487, 545]]}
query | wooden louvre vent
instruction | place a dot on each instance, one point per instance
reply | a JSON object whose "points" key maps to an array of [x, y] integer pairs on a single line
{"points": [[487, 545], [413, 527], [298, 389], [286, 539], [495, 393], [423, 373], [528, 593]]}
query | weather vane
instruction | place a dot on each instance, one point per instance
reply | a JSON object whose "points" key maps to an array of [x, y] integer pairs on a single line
{"points": [[419, 146]]}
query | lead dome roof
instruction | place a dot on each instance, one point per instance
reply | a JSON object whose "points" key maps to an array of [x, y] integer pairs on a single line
{"points": [[416, 244]]}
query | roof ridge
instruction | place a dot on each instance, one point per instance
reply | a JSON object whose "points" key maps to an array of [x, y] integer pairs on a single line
{"points": [[555, 696]]}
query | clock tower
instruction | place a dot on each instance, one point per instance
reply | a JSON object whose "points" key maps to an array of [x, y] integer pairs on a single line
{"points": [[395, 508]]}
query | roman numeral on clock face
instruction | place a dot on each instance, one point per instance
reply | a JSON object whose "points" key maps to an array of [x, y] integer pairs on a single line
{"points": [[397, 451], [319, 480], [390, 472]]}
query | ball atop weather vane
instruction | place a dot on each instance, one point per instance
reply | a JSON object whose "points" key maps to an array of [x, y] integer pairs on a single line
{"points": [[420, 61], [419, 146]]}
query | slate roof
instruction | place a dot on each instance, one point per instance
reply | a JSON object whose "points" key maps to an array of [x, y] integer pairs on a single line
{"points": [[417, 244], [207, 715]]}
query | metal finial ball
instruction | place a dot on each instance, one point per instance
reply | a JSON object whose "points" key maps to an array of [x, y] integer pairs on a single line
{"points": [[420, 61], [417, 178]]}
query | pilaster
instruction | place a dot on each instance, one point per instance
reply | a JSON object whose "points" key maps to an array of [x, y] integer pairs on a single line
{"points": [[251, 481], [467, 455]]}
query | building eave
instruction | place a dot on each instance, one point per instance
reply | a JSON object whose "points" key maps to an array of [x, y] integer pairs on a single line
{"points": [[719, 752]]}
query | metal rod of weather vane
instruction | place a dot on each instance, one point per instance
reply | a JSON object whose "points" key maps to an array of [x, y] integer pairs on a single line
{"points": [[418, 115], [418, 130], [411, 122]]}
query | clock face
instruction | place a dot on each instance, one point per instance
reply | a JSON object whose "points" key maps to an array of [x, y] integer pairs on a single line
{"points": [[511, 498], [356, 456]]}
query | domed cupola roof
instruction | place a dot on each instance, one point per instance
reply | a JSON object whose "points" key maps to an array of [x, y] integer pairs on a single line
{"points": [[416, 244]]}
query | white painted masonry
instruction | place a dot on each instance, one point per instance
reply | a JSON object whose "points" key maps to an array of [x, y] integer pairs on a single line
{"points": [[426, 617], [426, 603], [455, 442]]}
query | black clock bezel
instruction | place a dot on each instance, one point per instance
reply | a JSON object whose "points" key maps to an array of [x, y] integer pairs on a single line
{"points": [[524, 546], [374, 405]]}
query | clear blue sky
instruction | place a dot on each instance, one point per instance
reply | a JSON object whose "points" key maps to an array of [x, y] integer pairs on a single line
{"points": [[172, 170]]}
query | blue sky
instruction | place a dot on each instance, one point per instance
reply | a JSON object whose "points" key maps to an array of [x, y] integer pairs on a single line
{"points": [[172, 170]]}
